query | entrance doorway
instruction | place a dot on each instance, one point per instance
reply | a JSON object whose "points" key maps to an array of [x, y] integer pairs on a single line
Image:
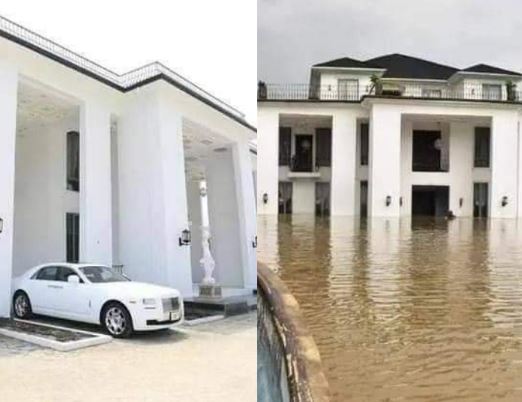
{"points": [[480, 200], [303, 158], [285, 197], [322, 199], [429, 200]]}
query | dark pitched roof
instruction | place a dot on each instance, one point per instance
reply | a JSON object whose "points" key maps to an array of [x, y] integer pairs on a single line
{"points": [[484, 68], [346, 62], [402, 66]]}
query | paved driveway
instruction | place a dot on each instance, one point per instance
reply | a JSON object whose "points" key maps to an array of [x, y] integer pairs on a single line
{"points": [[211, 362]]}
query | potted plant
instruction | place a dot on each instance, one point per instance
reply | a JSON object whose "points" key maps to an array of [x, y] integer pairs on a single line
{"points": [[376, 84], [261, 90]]}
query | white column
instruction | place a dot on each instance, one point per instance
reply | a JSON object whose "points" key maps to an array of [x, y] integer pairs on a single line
{"points": [[344, 140], [153, 192], [504, 161], [268, 161], [385, 161], [246, 212], [232, 217], [8, 105], [95, 184], [172, 154]]}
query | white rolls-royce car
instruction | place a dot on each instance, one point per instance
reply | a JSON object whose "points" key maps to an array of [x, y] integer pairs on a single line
{"points": [[96, 294]]}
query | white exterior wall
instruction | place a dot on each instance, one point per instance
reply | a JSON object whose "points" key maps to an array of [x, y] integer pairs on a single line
{"points": [[460, 175], [303, 197], [95, 183], [344, 141], [329, 82], [385, 161], [268, 148], [41, 196], [8, 101], [504, 163]]}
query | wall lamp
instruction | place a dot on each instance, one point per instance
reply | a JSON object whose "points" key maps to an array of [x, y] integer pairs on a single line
{"points": [[388, 200], [461, 202], [185, 238], [254, 242], [265, 198], [400, 201], [1, 225], [504, 201]]}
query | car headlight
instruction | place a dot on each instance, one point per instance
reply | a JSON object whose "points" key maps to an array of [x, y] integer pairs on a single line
{"points": [[149, 302]]}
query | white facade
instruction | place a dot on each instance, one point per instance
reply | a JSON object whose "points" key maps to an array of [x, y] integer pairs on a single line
{"points": [[146, 140], [426, 143]]}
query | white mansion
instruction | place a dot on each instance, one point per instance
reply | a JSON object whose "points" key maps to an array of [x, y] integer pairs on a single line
{"points": [[392, 136], [106, 168]]}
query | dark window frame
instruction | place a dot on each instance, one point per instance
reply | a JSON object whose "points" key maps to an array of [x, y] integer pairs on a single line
{"points": [[285, 146], [323, 147], [73, 161], [482, 147], [364, 143], [72, 237]]}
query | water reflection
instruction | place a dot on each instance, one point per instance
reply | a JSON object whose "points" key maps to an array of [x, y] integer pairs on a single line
{"points": [[409, 310]]}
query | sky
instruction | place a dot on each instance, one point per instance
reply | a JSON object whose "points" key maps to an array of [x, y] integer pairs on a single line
{"points": [[212, 43], [295, 34]]}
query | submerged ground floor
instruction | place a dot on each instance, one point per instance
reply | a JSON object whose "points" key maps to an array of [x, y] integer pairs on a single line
{"points": [[417, 309]]}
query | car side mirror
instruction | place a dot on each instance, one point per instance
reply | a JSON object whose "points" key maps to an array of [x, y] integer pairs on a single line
{"points": [[73, 279]]}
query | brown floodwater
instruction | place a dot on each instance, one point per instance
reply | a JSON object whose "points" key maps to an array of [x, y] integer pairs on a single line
{"points": [[407, 310]]}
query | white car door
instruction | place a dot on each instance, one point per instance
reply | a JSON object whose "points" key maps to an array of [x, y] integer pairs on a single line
{"points": [[74, 300], [43, 289]]}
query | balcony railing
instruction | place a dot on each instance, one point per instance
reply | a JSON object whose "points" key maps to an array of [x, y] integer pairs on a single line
{"points": [[306, 92]]}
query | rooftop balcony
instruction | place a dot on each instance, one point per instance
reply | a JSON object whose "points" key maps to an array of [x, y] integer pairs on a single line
{"points": [[333, 93]]}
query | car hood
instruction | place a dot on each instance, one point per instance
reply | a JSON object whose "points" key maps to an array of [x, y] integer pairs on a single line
{"points": [[137, 289]]}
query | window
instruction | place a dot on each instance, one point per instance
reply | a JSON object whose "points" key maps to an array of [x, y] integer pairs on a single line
{"points": [[323, 144], [482, 145], [491, 91], [430, 152], [73, 237], [348, 89], [365, 143], [64, 273], [47, 274], [73, 161], [97, 274], [431, 93], [285, 145]]}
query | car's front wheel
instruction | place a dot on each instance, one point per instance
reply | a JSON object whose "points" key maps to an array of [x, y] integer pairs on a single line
{"points": [[117, 320], [22, 305]]}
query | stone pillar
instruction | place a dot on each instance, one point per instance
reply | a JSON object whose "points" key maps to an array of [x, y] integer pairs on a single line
{"points": [[232, 217], [504, 162], [8, 106], [95, 184], [344, 140], [268, 158], [385, 162]]}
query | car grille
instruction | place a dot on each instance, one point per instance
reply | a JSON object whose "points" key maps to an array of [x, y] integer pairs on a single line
{"points": [[171, 304]]}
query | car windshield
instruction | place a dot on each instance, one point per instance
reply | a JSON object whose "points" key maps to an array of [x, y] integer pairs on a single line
{"points": [[97, 274]]}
